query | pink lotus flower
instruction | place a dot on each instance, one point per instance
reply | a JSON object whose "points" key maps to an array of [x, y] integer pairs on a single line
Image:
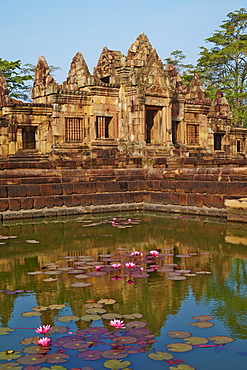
{"points": [[130, 265], [135, 253], [131, 282], [118, 324], [44, 342], [154, 253], [98, 268], [43, 329], [116, 265]]}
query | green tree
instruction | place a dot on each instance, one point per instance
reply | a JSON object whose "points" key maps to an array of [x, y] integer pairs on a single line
{"points": [[186, 71], [16, 78], [223, 66]]}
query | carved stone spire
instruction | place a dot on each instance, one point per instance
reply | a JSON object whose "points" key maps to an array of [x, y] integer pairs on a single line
{"points": [[44, 84], [196, 91], [4, 94], [78, 75], [220, 106], [139, 51]]}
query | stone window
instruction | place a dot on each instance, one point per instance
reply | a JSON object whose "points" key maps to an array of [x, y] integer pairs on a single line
{"points": [[192, 134], [102, 127], [73, 129]]}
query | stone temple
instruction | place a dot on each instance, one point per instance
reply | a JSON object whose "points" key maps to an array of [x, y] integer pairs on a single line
{"points": [[131, 112]]}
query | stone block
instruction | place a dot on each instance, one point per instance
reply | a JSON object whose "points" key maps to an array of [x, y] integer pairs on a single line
{"points": [[211, 200], [3, 191], [17, 190], [86, 200], [128, 197], [58, 201], [182, 197], [50, 201], [67, 189], [68, 200], [168, 185], [27, 203], [123, 185], [108, 186], [14, 204], [195, 200], [4, 204], [45, 189], [56, 189], [39, 202], [139, 196], [33, 190]]}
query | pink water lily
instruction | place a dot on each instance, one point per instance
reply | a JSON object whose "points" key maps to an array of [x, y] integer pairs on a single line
{"points": [[43, 329], [118, 324], [134, 254], [154, 253], [130, 265], [116, 265], [98, 268], [44, 342]]}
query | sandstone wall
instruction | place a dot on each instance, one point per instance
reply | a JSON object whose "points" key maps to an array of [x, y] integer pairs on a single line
{"points": [[37, 193]]}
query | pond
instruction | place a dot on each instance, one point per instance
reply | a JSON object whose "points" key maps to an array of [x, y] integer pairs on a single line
{"points": [[174, 284]]}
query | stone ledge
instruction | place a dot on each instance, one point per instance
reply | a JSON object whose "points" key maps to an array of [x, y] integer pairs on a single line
{"points": [[66, 211]]}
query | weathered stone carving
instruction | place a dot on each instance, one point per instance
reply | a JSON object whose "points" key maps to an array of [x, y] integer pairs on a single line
{"points": [[44, 84]]}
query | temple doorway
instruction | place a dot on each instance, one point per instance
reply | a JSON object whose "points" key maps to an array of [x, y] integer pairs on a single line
{"points": [[152, 125], [218, 141], [28, 137]]}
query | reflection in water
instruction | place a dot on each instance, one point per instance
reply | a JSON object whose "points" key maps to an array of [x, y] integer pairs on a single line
{"points": [[212, 245]]}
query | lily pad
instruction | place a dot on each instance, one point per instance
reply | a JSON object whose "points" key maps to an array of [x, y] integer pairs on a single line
{"points": [[89, 355], [116, 364], [33, 350], [111, 316], [107, 301], [68, 318], [58, 329], [81, 276], [10, 365], [76, 344], [160, 356], [49, 280], [56, 306], [9, 355], [57, 358], [132, 316], [93, 305], [5, 331], [114, 354], [136, 324], [95, 310], [179, 347], [125, 340], [30, 340], [196, 340], [80, 284], [202, 324], [182, 367], [32, 359], [139, 331], [30, 314], [220, 339], [90, 317], [203, 318], [179, 334], [96, 273], [39, 308]]}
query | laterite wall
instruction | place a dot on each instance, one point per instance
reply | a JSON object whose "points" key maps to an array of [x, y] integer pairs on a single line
{"points": [[37, 193]]}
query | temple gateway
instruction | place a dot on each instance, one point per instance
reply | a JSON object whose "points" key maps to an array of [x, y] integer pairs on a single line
{"points": [[131, 112]]}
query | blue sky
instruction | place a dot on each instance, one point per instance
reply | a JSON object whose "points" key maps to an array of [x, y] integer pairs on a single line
{"points": [[58, 29]]}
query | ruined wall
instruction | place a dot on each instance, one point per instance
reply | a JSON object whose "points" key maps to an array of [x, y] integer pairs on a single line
{"points": [[38, 193]]}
